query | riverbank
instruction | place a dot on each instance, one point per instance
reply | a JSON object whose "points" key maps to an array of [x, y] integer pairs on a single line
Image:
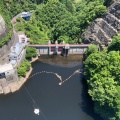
{"points": [[16, 85]]}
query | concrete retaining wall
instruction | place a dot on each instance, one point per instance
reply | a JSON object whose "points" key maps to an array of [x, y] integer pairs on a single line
{"points": [[7, 46], [50, 51]]}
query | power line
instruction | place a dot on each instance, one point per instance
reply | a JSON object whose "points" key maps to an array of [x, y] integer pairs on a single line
{"points": [[35, 103]]}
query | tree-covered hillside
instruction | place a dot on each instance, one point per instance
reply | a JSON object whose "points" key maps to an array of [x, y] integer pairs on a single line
{"points": [[53, 19], [102, 71], [61, 20]]}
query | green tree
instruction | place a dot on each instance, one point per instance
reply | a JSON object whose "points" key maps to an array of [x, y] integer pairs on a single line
{"points": [[115, 45], [91, 49], [102, 71], [30, 52], [24, 67]]}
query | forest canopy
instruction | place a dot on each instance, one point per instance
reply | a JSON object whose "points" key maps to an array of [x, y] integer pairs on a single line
{"points": [[102, 72], [54, 19]]}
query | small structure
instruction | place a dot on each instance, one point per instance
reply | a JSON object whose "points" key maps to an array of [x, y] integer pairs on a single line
{"points": [[14, 20], [5, 70], [26, 15], [63, 42], [8, 73], [49, 42], [23, 39], [60, 83], [16, 51], [36, 111], [65, 50]]}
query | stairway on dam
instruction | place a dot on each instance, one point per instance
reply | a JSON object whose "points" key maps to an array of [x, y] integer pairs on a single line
{"points": [[103, 29]]}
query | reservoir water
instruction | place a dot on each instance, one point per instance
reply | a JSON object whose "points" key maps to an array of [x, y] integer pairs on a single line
{"points": [[69, 101]]}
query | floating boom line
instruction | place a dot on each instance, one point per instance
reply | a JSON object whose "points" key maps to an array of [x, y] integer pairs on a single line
{"points": [[57, 75]]}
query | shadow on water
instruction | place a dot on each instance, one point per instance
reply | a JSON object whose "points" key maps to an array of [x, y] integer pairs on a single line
{"points": [[87, 105]]}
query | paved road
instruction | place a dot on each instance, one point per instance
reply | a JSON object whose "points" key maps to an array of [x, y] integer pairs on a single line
{"points": [[4, 59]]}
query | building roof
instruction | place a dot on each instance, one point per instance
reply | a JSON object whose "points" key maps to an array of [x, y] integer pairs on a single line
{"points": [[14, 20], [16, 50], [25, 14], [13, 62], [5, 67], [21, 37]]}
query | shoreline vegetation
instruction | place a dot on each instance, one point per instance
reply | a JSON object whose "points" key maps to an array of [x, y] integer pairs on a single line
{"points": [[102, 73], [31, 53]]}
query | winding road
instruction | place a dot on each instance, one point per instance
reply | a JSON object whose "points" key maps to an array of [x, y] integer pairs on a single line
{"points": [[4, 59]]}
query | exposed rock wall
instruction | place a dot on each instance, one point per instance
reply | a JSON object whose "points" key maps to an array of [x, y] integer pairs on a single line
{"points": [[3, 28], [103, 29], [3, 32], [7, 46], [2, 24]]}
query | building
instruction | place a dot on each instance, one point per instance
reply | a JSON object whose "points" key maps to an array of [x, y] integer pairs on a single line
{"points": [[7, 73], [26, 15], [17, 54], [6, 70], [23, 39]]}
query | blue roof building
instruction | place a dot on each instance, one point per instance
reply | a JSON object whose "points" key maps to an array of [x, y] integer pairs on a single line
{"points": [[26, 15]]}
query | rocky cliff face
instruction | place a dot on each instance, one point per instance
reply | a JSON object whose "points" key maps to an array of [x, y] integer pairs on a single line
{"points": [[3, 29], [103, 29], [3, 32], [2, 23]]}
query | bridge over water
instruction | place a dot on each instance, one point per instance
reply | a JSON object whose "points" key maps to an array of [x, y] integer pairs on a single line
{"points": [[63, 49]]}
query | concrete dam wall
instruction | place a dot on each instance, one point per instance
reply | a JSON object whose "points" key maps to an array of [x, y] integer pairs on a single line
{"points": [[103, 29]]}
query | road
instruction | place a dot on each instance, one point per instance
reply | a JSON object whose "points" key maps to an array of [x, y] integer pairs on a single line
{"points": [[4, 59]]}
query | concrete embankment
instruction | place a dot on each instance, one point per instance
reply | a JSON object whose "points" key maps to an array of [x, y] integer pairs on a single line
{"points": [[14, 86]]}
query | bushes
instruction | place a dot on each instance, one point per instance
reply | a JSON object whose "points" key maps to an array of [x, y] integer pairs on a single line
{"points": [[91, 49], [30, 52], [115, 45], [6, 39], [24, 67]]}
